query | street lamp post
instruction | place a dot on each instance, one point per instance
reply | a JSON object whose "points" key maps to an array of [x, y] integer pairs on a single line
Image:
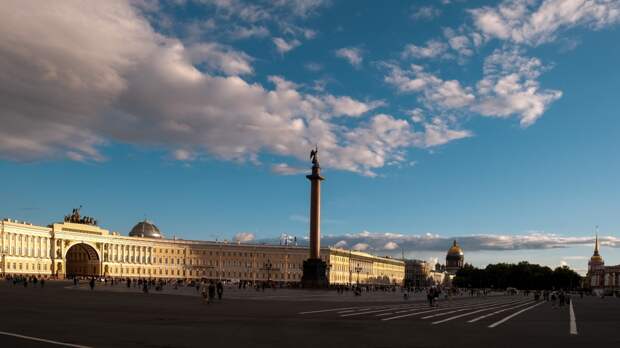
{"points": [[358, 269], [268, 266]]}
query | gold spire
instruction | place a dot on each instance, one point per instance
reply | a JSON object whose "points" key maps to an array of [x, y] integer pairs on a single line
{"points": [[596, 245], [596, 257]]}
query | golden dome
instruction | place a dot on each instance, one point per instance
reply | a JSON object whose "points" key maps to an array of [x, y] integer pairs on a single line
{"points": [[455, 250]]}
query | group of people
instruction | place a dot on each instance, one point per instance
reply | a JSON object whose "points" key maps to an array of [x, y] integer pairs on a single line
{"points": [[15, 280], [209, 290]]}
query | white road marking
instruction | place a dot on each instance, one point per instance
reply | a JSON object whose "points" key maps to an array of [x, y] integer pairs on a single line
{"points": [[497, 312], [469, 313], [380, 310], [444, 308], [486, 306], [42, 340], [326, 310], [434, 310], [514, 315], [573, 321]]}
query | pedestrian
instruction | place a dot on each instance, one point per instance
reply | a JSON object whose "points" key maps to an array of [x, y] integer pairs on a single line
{"points": [[42, 282], [92, 283], [145, 288], [205, 294], [220, 290], [211, 291], [553, 304]]}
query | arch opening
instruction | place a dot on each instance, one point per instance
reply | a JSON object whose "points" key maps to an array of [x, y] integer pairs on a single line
{"points": [[82, 260]]}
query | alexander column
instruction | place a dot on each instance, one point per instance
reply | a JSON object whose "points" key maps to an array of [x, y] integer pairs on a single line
{"points": [[314, 268]]}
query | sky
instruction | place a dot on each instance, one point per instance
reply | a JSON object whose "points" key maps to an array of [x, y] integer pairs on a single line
{"points": [[493, 123]]}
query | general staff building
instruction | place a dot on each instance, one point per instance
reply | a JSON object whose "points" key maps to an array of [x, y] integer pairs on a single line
{"points": [[79, 247]]}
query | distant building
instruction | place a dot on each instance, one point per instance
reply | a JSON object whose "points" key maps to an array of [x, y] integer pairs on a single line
{"points": [[601, 278], [79, 247], [418, 273], [455, 259]]}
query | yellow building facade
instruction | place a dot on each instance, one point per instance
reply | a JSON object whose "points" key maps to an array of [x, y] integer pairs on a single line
{"points": [[85, 249]]}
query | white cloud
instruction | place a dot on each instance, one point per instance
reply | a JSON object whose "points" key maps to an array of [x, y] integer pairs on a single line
{"points": [[391, 245], [534, 22], [360, 247], [284, 46], [425, 13], [302, 8], [183, 155], [84, 75], [435, 91], [341, 244], [348, 106], [241, 32], [351, 54], [432, 49], [244, 237], [439, 133], [509, 87], [285, 169], [313, 66], [221, 58], [469, 243]]}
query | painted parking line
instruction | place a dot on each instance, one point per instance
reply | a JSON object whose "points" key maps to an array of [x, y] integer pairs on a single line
{"points": [[30, 338], [470, 313], [478, 305], [573, 321], [514, 315], [497, 312]]}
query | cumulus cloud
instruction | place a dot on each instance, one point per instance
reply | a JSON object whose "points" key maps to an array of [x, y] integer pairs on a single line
{"points": [[360, 247], [351, 54], [284, 46], [537, 22], [391, 245], [220, 58], [243, 237], [509, 87], [243, 32], [285, 169], [425, 13], [433, 48], [435, 92], [82, 76], [478, 242]]}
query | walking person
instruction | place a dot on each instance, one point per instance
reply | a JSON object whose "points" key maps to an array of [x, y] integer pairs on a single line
{"points": [[220, 290], [92, 283], [205, 294], [211, 291]]}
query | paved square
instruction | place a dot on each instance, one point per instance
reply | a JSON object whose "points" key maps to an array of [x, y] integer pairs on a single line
{"points": [[245, 318]]}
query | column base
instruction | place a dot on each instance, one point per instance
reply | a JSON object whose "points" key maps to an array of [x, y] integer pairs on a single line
{"points": [[315, 274]]}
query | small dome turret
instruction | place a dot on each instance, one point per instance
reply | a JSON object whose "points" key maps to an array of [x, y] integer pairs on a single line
{"points": [[145, 229]]}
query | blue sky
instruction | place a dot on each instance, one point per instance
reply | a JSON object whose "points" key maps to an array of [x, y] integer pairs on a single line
{"points": [[494, 123]]}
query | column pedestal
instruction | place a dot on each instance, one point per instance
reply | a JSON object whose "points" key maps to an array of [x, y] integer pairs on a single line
{"points": [[315, 274]]}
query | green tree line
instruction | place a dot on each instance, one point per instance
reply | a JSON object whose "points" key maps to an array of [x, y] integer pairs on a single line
{"points": [[521, 276]]}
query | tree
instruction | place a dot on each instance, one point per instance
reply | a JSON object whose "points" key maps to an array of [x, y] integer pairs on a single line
{"points": [[523, 275]]}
